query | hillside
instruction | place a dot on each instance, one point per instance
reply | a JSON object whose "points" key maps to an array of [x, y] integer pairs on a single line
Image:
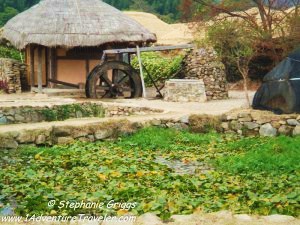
{"points": [[167, 34]]}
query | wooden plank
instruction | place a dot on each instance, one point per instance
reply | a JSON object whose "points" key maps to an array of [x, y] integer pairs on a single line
{"points": [[40, 70], [148, 49], [63, 83]]}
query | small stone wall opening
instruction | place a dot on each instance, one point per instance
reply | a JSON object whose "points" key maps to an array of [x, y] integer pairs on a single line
{"points": [[184, 90], [204, 64]]}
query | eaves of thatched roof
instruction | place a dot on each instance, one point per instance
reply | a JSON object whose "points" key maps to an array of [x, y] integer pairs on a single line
{"points": [[72, 23]]}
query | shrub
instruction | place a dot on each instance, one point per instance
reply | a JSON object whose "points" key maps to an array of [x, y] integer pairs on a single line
{"points": [[10, 52], [160, 67]]}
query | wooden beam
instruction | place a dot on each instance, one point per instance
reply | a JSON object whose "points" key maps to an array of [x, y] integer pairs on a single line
{"points": [[63, 83], [31, 66], [40, 69], [148, 49]]}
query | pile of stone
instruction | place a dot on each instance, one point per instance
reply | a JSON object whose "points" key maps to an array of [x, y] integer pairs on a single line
{"points": [[13, 74], [203, 64]]}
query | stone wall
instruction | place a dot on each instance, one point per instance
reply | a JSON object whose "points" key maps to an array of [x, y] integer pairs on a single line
{"points": [[184, 90], [254, 122], [29, 114], [247, 123], [204, 64], [12, 75]]}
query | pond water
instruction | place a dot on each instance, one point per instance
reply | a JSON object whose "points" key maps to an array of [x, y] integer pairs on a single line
{"points": [[185, 167]]}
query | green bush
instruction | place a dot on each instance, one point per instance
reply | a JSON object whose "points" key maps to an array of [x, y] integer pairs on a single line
{"points": [[10, 52], [160, 67]]}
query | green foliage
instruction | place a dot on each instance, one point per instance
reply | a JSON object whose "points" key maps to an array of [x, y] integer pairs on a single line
{"points": [[232, 40], [63, 112], [160, 67], [126, 171], [281, 155], [10, 52]]}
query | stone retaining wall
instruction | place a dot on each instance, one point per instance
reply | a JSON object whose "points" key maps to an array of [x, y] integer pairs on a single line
{"points": [[12, 75], [245, 123], [204, 64], [29, 114], [253, 122]]}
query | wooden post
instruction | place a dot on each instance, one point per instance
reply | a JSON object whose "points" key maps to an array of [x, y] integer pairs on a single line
{"points": [[141, 71], [40, 70], [31, 66]]}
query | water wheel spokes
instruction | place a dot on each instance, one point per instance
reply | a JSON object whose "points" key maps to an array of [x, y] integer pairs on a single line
{"points": [[113, 80]]}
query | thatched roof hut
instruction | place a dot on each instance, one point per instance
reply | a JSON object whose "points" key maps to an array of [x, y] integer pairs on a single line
{"points": [[72, 23], [64, 39]]}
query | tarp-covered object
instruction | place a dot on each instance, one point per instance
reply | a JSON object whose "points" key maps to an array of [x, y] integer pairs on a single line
{"points": [[280, 91]]}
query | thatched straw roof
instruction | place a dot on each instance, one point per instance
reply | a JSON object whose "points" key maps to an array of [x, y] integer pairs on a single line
{"points": [[71, 23]]}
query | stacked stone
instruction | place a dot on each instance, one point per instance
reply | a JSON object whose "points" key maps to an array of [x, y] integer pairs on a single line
{"points": [[204, 64], [11, 73]]}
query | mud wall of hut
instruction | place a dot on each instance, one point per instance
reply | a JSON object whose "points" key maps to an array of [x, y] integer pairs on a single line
{"points": [[12, 76], [204, 64]]}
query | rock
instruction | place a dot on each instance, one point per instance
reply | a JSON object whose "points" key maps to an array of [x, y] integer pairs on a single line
{"points": [[284, 130], [227, 215], [8, 143], [267, 130], [182, 218], [296, 131], [19, 118], [235, 125], [185, 119], [155, 122], [293, 122], [263, 120], [245, 119], [79, 114], [278, 219], [244, 115], [77, 133], [91, 138], [225, 125], [3, 120], [232, 117], [149, 219], [298, 118], [251, 125], [103, 134], [41, 139], [26, 137], [243, 218], [64, 140], [62, 131]]}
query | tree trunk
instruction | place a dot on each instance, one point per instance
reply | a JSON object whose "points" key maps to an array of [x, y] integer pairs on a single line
{"points": [[244, 70]]}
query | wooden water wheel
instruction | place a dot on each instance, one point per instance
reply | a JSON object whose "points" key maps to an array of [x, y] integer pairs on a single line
{"points": [[114, 79]]}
